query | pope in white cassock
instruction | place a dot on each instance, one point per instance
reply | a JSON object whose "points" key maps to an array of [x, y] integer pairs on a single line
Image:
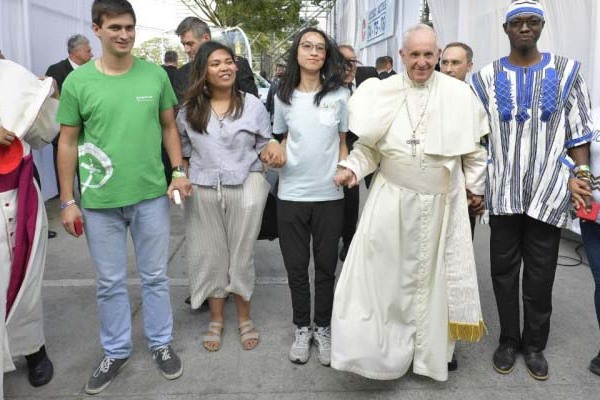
{"points": [[408, 288], [27, 115]]}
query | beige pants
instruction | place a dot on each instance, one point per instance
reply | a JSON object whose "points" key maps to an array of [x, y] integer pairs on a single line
{"points": [[222, 225]]}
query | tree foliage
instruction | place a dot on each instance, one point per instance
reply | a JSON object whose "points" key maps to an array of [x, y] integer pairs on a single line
{"points": [[154, 49], [266, 22], [251, 15], [269, 24]]}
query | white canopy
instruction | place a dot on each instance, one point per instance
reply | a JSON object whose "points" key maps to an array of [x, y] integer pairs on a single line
{"points": [[34, 34]]}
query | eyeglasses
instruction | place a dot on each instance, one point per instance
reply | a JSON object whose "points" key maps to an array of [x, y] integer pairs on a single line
{"points": [[308, 46], [350, 64], [532, 23]]}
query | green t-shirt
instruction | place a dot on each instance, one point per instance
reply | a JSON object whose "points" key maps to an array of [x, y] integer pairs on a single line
{"points": [[120, 141]]}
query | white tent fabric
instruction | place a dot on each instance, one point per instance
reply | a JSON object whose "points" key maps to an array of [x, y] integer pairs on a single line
{"points": [[34, 34], [348, 15], [572, 29]]}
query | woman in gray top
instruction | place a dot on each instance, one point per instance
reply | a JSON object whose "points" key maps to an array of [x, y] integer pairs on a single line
{"points": [[224, 132]]}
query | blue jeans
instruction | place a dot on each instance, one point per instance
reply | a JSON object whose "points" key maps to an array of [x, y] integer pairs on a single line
{"points": [[590, 232], [106, 232]]}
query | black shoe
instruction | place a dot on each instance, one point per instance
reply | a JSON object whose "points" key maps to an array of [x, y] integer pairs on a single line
{"points": [[104, 374], [453, 364], [595, 365], [504, 358], [536, 364], [51, 234], [343, 253], [168, 362], [203, 307], [40, 368]]}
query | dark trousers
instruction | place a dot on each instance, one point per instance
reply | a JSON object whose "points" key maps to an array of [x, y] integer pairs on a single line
{"points": [[351, 202], [590, 233], [368, 180], [516, 238], [297, 222], [55, 155]]}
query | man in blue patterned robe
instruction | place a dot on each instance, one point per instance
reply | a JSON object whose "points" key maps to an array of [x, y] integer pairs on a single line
{"points": [[539, 112]]}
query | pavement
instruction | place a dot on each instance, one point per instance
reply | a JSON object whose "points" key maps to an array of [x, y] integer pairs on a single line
{"points": [[71, 329]]}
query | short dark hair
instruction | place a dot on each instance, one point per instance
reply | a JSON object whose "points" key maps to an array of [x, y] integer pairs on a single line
{"points": [[462, 45], [170, 56], [380, 62], [110, 8], [194, 24]]}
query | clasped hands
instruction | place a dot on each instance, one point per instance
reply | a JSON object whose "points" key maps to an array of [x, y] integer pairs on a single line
{"points": [[581, 193], [273, 154], [475, 203], [345, 177]]}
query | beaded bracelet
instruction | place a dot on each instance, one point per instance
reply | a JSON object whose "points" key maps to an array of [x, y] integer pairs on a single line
{"points": [[582, 167], [178, 174]]}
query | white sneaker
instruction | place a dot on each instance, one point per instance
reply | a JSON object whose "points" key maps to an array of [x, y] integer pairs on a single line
{"points": [[322, 338], [300, 350]]}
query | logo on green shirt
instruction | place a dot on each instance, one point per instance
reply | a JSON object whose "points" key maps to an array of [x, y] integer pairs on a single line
{"points": [[95, 167]]}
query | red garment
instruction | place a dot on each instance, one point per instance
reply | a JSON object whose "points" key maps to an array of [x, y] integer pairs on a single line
{"points": [[27, 204]]}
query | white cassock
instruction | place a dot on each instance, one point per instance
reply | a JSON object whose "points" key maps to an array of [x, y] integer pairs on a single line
{"points": [[408, 287], [27, 110]]}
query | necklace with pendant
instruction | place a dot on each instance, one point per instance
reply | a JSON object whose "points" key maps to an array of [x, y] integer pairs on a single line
{"points": [[413, 141], [220, 118]]}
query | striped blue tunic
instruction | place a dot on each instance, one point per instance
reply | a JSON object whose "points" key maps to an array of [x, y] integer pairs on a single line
{"points": [[536, 114]]}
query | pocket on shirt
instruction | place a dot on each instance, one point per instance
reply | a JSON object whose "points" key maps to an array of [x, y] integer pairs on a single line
{"points": [[328, 116]]}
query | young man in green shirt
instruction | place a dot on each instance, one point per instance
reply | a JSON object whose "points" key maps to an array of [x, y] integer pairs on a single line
{"points": [[114, 113]]}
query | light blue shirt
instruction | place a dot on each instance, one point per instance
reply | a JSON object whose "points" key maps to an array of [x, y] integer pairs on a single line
{"points": [[230, 149], [313, 144]]}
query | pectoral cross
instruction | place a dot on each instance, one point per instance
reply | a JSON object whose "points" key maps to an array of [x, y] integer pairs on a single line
{"points": [[413, 142]]}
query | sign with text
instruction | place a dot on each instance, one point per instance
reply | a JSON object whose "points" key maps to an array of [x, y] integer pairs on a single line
{"points": [[378, 23]]}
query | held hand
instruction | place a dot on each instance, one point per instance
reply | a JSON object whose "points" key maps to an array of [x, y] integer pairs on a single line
{"points": [[476, 204], [345, 177], [68, 216], [183, 185], [581, 193], [273, 154], [6, 137]]}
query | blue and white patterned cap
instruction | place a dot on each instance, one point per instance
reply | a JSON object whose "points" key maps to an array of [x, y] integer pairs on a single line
{"points": [[520, 8]]}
